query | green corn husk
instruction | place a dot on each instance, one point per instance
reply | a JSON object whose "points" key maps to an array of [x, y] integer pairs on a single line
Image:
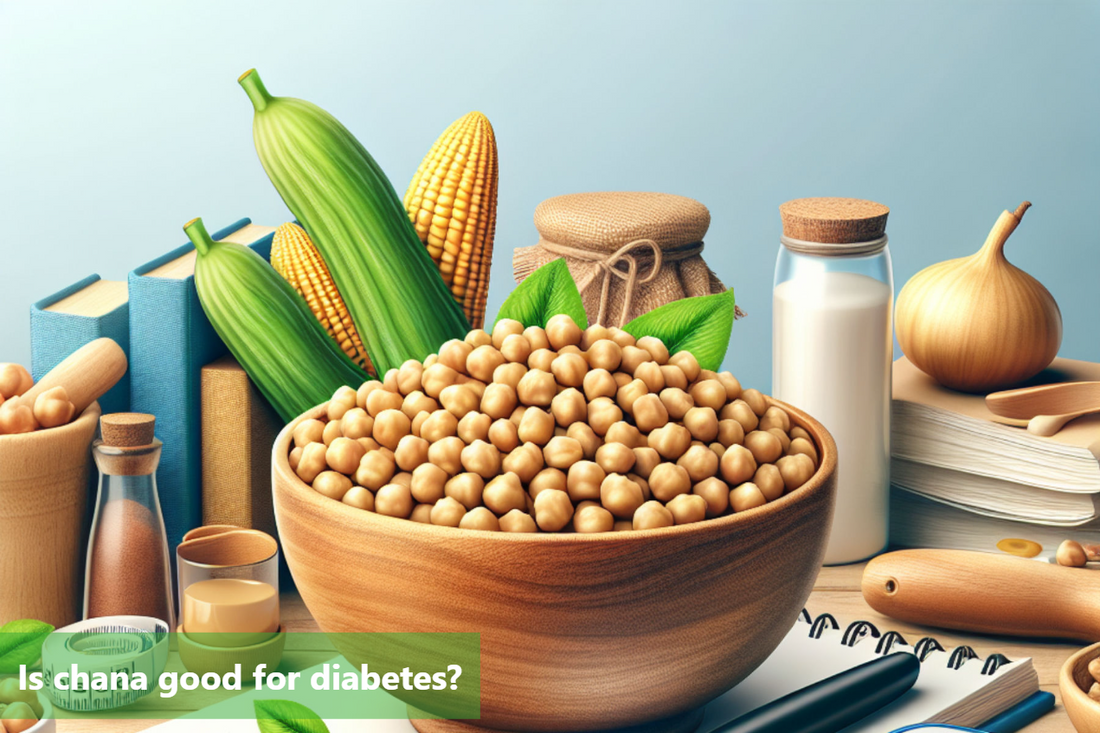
{"points": [[394, 293], [268, 327]]}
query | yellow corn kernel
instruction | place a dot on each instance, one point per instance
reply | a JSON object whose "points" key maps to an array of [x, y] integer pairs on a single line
{"points": [[294, 256], [452, 203]]}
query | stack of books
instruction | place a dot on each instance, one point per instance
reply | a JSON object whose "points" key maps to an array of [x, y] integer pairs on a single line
{"points": [[962, 480]]}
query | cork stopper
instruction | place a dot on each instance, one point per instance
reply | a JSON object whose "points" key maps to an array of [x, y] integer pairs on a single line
{"points": [[127, 429], [833, 220]]}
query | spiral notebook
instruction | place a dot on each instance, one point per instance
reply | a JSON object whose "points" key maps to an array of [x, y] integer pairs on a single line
{"points": [[955, 687]]}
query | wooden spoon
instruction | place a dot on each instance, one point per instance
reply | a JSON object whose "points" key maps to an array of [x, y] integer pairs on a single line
{"points": [[1048, 399], [1048, 425]]}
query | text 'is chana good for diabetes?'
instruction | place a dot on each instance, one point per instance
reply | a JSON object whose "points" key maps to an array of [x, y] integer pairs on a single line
{"points": [[523, 430]]}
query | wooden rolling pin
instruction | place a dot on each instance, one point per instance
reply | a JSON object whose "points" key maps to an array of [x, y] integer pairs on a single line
{"points": [[985, 593], [86, 374]]}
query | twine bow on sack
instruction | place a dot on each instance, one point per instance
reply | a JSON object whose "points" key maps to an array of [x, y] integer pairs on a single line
{"points": [[631, 277]]}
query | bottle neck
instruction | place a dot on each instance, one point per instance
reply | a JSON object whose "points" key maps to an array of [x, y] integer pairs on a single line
{"points": [[844, 249]]}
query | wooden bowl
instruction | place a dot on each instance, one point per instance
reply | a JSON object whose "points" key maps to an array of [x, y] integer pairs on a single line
{"points": [[44, 481], [1074, 682], [578, 632]]}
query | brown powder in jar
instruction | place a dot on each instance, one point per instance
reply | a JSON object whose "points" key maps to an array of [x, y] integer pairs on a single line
{"points": [[128, 576]]}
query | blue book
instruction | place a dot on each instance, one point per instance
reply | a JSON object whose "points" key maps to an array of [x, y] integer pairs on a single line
{"points": [[171, 340], [83, 312]]}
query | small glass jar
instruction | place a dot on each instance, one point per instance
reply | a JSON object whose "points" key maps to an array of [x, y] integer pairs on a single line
{"points": [[832, 353]]}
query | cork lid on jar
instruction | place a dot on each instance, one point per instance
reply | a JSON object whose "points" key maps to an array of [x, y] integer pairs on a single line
{"points": [[833, 220], [604, 221], [127, 429]]}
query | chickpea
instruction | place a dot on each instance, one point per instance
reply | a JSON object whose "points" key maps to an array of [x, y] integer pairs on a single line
{"points": [[569, 407], [795, 470], [482, 361], [622, 379], [294, 458], [516, 348], [687, 508], [702, 422], [652, 515], [553, 510], [332, 484], [333, 430], [650, 373], [1071, 554], [569, 369], [536, 426], [448, 512], [389, 381], [583, 481], [525, 461], [746, 496], [668, 480], [438, 425], [390, 426], [364, 391], [474, 426], [784, 439], [562, 452], [480, 518], [361, 498], [605, 354], [15, 380], [765, 447], [615, 458], [394, 500], [650, 413], [737, 465], [343, 455], [375, 469], [536, 337], [633, 357], [719, 449], [801, 445], [732, 385], [447, 454], [466, 488], [518, 521], [308, 431], [621, 337], [422, 513], [602, 414], [380, 400], [583, 434], [755, 400], [770, 482], [504, 493], [709, 393], [548, 478], [687, 363], [797, 432], [575, 351], [740, 411], [716, 493], [541, 359], [645, 460], [409, 376], [427, 483], [591, 335], [674, 377], [562, 331], [629, 394], [417, 402], [705, 374], [655, 347], [478, 337], [404, 478], [591, 517], [342, 401], [620, 495], [411, 452], [730, 433], [504, 328], [454, 354], [312, 462], [671, 441], [504, 435], [459, 399], [599, 383], [775, 417], [676, 401], [356, 424], [438, 377], [537, 388], [481, 458], [700, 463], [642, 484], [625, 433]]}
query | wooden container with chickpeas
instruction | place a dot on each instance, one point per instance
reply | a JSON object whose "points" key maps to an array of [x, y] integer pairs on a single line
{"points": [[636, 516]]}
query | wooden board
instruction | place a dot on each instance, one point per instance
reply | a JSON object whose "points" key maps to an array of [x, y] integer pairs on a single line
{"points": [[836, 591]]}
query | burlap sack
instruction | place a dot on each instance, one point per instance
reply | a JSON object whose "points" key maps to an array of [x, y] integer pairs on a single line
{"points": [[629, 252]]}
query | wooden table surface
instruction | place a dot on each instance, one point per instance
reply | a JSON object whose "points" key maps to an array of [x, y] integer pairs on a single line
{"points": [[836, 592]]}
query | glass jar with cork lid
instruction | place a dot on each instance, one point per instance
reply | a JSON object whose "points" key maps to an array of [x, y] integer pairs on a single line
{"points": [[832, 353]]}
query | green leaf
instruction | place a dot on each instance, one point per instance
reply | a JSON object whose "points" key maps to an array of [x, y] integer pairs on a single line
{"points": [[21, 643], [547, 292], [286, 716], [700, 325]]}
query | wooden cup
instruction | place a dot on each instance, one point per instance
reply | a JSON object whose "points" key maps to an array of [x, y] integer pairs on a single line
{"points": [[44, 480], [1074, 682]]}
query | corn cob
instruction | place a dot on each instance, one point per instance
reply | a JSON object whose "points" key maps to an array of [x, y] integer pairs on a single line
{"points": [[294, 256], [393, 291], [267, 326], [452, 202]]}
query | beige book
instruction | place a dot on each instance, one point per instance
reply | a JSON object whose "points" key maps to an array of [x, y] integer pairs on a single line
{"points": [[238, 431]]}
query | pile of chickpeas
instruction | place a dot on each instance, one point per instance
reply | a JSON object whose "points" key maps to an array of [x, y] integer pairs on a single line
{"points": [[553, 429]]}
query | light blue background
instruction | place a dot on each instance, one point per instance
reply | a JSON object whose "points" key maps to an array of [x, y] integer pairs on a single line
{"points": [[121, 121]]}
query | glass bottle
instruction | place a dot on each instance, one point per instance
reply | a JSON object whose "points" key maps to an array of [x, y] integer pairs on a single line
{"points": [[128, 569], [832, 353]]}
